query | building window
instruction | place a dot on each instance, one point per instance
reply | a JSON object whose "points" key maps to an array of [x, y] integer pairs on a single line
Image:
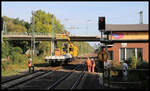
{"points": [[110, 55], [139, 54], [126, 53], [130, 52], [122, 54]]}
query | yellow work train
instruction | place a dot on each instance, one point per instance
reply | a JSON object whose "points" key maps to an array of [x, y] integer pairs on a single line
{"points": [[68, 48], [64, 54], [71, 49]]}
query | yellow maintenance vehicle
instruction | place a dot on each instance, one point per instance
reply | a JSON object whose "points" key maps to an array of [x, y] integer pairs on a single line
{"points": [[70, 47], [65, 54]]}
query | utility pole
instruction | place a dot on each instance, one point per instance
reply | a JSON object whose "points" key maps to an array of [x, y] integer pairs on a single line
{"points": [[87, 34], [53, 40], [141, 17], [33, 38]]}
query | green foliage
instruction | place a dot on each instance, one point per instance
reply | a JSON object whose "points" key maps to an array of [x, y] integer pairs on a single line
{"points": [[44, 48], [14, 55], [84, 48], [133, 62], [5, 49], [15, 25], [24, 45], [141, 64], [17, 50], [43, 22], [4, 65]]}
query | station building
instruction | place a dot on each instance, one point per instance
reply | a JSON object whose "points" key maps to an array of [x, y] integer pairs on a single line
{"points": [[128, 40]]}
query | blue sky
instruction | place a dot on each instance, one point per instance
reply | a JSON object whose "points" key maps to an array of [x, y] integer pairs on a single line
{"points": [[77, 14]]}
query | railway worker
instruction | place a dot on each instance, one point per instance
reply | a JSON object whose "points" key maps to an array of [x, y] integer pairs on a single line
{"points": [[88, 62], [29, 64], [125, 70], [93, 65]]}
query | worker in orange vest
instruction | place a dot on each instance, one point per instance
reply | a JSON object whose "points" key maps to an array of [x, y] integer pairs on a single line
{"points": [[30, 64], [93, 65], [88, 62]]}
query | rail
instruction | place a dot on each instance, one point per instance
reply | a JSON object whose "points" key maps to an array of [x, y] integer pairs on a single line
{"points": [[61, 79], [79, 79], [8, 80], [23, 79]]}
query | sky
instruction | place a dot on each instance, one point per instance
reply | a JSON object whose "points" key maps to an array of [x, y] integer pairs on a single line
{"points": [[83, 16]]}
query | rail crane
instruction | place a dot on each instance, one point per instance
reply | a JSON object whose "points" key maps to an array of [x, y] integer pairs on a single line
{"points": [[65, 54]]}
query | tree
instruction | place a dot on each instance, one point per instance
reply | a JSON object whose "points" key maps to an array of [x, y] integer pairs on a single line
{"points": [[44, 48], [5, 49], [43, 22]]}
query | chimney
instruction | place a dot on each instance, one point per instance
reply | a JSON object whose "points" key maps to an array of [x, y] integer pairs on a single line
{"points": [[141, 17]]}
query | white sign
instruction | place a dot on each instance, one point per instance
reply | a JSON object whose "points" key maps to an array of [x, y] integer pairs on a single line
{"points": [[124, 44]]}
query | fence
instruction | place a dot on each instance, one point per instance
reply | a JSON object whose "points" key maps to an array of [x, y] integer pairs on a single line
{"points": [[137, 78]]}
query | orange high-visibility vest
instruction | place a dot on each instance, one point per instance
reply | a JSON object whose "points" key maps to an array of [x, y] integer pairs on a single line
{"points": [[93, 64], [88, 62], [29, 63]]}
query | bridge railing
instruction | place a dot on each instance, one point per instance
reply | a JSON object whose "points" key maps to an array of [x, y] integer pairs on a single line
{"points": [[26, 34], [40, 34], [15, 33]]}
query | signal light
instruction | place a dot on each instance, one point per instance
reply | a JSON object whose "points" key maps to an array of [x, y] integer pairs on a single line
{"points": [[101, 23]]}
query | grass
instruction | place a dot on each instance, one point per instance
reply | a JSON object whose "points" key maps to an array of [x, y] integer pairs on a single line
{"points": [[14, 69]]}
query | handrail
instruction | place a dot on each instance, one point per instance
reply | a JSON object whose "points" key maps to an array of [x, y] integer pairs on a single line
{"points": [[43, 34]]}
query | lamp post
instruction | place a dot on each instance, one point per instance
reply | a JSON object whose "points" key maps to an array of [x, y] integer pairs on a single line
{"points": [[53, 36], [33, 38], [87, 33]]}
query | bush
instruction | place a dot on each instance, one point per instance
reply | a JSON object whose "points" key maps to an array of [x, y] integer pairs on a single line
{"points": [[141, 64], [117, 67], [128, 61], [133, 62], [17, 49], [4, 65], [5, 49]]}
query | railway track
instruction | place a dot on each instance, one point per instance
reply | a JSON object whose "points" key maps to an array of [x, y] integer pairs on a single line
{"points": [[78, 80], [14, 78], [73, 79], [61, 79], [22, 81]]}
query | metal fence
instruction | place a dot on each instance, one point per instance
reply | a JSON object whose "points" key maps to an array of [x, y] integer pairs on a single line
{"points": [[137, 78], [42, 33]]}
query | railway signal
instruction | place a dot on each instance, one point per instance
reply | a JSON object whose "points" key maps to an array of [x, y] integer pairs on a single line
{"points": [[101, 23]]}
